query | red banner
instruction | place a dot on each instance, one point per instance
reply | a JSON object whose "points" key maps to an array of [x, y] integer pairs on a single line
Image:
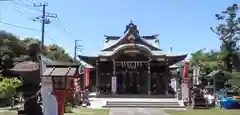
{"points": [[86, 76], [184, 73]]}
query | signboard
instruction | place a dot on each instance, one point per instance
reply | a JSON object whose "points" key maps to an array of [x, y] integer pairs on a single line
{"points": [[196, 73], [114, 83], [174, 84]]}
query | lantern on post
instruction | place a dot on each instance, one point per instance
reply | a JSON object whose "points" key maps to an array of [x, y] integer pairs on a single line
{"points": [[59, 78]]}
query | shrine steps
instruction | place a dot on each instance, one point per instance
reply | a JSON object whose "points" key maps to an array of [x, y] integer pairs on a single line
{"points": [[135, 96], [144, 103]]}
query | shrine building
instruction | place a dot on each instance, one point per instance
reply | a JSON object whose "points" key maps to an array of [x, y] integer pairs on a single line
{"points": [[132, 64]]}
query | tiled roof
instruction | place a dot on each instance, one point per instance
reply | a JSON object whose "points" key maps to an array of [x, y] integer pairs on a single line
{"points": [[66, 71], [131, 29], [154, 53], [154, 42], [26, 66], [108, 43], [85, 64]]}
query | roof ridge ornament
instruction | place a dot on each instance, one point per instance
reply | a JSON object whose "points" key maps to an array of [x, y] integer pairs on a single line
{"points": [[131, 26]]}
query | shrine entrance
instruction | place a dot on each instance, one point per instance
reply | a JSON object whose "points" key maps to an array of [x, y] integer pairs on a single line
{"points": [[132, 77], [131, 82], [131, 67]]}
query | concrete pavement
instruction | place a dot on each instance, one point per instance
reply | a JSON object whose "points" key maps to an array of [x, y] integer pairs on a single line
{"points": [[136, 111]]}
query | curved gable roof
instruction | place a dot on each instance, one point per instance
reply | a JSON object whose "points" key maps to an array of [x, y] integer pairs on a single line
{"points": [[131, 30]]}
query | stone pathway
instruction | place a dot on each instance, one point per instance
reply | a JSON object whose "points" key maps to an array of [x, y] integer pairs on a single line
{"points": [[136, 111]]}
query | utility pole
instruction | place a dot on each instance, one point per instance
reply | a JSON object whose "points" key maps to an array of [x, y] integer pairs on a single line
{"points": [[170, 49], [44, 19], [43, 24], [77, 47]]}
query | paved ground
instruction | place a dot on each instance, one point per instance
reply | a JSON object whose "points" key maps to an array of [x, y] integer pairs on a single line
{"points": [[3, 109], [136, 111]]}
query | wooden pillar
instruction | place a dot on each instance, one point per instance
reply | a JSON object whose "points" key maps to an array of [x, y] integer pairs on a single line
{"points": [[158, 83], [149, 78], [97, 76], [166, 77], [114, 74], [138, 84]]}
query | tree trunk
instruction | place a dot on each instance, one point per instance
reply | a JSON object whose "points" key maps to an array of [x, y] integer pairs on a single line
{"points": [[228, 64]]}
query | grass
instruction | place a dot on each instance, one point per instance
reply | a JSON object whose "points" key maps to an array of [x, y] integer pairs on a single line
{"points": [[85, 111], [215, 111], [78, 111], [8, 113]]}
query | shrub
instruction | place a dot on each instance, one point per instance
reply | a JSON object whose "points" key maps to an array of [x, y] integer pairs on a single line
{"points": [[8, 87]]}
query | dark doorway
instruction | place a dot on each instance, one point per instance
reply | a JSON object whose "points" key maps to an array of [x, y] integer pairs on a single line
{"points": [[131, 82]]}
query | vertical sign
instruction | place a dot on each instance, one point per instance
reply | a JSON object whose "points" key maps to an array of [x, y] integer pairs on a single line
{"points": [[194, 76], [76, 84], [184, 73], [114, 84], [86, 73], [198, 75]]}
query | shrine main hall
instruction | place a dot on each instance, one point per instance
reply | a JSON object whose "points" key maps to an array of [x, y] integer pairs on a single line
{"points": [[131, 64]]}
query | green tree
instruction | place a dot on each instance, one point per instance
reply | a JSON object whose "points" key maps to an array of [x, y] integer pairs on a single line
{"points": [[13, 50], [228, 32], [56, 52]]}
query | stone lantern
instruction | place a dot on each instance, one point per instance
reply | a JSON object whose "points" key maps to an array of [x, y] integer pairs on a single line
{"points": [[30, 76], [60, 77]]}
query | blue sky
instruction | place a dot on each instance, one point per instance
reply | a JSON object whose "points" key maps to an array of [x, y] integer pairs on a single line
{"points": [[181, 24]]}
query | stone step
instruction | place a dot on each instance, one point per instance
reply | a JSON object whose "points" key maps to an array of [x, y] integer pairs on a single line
{"points": [[111, 104], [143, 103], [134, 96], [144, 106]]}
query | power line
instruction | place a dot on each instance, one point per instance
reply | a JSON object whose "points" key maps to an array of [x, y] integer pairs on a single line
{"points": [[17, 26], [23, 2], [22, 13], [30, 1], [61, 28], [25, 5], [12, 5], [20, 7], [58, 25], [51, 39]]}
